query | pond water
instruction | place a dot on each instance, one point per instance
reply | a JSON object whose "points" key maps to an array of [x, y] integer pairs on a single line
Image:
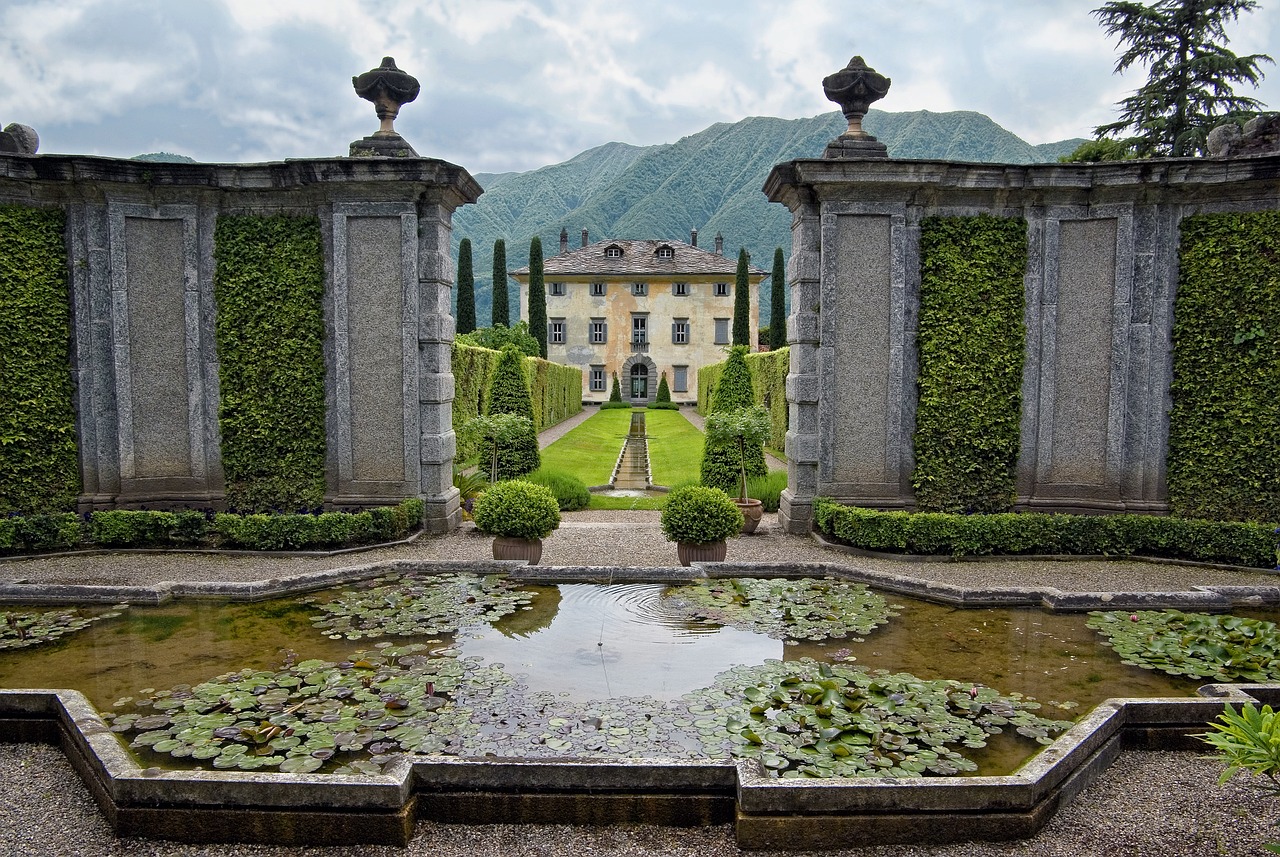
{"points": [[578, 646]]}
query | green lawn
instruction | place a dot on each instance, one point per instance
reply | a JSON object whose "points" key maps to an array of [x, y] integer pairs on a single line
{"points": [[591, 450]]}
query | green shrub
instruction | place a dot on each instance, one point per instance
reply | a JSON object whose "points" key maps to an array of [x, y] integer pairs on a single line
{"points": [[615, 392], [698, 514], [614, 406], [663, 406], [967, 435], [500, 336], [571, 494], [39, 471], [122, 528], [768, 386], [1231, 543], [1248, 741], [517, 509], [269, 288], [40, 532], [768, 489], [509, 394], [722, 460], [1225, 417], [663, 395]]}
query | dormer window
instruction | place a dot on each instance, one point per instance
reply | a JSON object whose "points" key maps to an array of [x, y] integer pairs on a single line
{"points": [[613, 251], [665, 252]]}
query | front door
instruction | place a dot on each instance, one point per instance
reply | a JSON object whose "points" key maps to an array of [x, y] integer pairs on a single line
{"points": [[639, 381]]}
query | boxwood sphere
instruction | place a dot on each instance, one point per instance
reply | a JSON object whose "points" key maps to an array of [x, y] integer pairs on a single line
{"points": [[698, 514], [517, 509]]}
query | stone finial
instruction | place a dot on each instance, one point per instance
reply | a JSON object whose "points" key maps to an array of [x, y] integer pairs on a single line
{"points": [[389, 89], [19, 139], [855, 87]]}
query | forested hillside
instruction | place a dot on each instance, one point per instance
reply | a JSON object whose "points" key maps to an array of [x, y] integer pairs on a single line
{"points": [[709, 181]]}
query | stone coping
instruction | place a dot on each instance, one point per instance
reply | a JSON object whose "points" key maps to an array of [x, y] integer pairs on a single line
{"points": [[769, 812]]}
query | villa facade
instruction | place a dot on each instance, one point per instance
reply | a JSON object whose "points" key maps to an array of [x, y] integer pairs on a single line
{"points": [[640, 309]]}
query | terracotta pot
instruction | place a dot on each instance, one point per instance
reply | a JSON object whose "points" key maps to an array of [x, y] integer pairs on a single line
{"points": [[691, 552], [509, 547], [752, 511]]}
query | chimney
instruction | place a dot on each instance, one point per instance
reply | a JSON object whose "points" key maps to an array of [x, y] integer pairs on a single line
{"points": [[584, 238], [693, 237], [564, 240], [719, 244]]}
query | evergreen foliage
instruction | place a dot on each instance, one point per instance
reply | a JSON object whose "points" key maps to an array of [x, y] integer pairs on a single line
{"points": [[615, 393], [499, 336], [742, 302], [39, 471], [778, 302], [769, 387], [1190, 72], [501, 312], [509, 394], [968, 417], [537, 297], [1224, 460], [269, 288], [664, 391], [466, 289], [722, 462]]}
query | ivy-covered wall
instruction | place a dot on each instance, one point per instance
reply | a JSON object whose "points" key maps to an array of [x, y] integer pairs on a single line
{"points": [[768, 383], [38, 464], [269, 288], [971, 346], [556, 390], [1224, 432]]}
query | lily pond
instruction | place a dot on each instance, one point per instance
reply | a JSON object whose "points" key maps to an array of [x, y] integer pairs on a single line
{"points": [[818, 678]]}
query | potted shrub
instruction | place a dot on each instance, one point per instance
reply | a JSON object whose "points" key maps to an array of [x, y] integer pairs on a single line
{"points": [[699, 520], [739, 429], [519, 515]]}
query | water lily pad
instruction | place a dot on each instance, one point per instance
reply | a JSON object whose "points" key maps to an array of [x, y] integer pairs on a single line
{"points": [[20, 629], [1196, 645]]}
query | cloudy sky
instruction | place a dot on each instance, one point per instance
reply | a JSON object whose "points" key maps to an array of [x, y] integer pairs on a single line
{"points": [[517, 84]]}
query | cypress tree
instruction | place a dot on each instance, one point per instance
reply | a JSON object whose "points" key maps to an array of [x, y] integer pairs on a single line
{"points": [[509, 394], [664, 392], [501, 312], [537, 297], [721, 464], [615, 395], [742, 303], [778, 309], [466, 289]]}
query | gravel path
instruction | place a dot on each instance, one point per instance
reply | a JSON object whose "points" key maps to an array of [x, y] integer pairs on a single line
{"points": [[1148, 803]]}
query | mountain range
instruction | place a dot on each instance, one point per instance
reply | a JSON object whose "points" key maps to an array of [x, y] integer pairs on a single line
{"points": [[710, 181]]}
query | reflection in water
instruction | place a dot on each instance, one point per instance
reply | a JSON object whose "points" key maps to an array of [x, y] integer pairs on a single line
{"points": [[619, 640]]}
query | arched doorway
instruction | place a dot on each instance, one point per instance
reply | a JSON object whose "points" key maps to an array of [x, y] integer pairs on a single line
{"points": [[639, 382]]}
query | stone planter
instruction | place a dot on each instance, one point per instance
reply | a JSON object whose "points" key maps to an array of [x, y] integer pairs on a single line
{"points": [[509, 547], [691, 552], [752, 511]]}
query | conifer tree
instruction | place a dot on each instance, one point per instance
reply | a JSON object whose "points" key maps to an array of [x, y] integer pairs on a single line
{"points": [[501, 313], [466, 289], [664, 392], [742, 303], [721, 462], [1190, 72], [509, 394], [615, 395], [778, 308], [537, 297]]}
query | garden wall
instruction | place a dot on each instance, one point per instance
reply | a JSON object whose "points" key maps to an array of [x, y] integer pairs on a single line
{"points": [[1096, 382], [180, 276]]}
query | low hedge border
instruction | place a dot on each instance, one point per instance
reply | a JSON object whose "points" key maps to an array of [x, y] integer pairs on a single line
{"points": [[1028, 533], [192, 528]]}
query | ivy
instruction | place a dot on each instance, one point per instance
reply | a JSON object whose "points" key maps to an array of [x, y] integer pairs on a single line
{"points": [[269, 288], [38, 453], [971, 342], [1223, 456]]}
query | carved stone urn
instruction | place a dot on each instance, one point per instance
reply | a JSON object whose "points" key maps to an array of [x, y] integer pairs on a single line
{"points": [[389, 89], [855, 88]]}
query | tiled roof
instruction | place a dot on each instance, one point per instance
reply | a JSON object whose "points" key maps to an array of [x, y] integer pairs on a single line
{"points": [[638, 258]]}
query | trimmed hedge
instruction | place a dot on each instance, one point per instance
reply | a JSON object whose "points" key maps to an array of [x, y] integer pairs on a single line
{"points": [[1224, 459], [556, 390], [768, 380], [143, 528], [39, 471], [1232, 543], [971, 345], [269, 288], [723, 461]]}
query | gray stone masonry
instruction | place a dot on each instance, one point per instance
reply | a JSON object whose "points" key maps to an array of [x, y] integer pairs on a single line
{"points": [[1100, 282], [141, 261]]}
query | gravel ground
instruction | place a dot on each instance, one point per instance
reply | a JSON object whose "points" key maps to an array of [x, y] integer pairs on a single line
{"points": [[1147, 803]]}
